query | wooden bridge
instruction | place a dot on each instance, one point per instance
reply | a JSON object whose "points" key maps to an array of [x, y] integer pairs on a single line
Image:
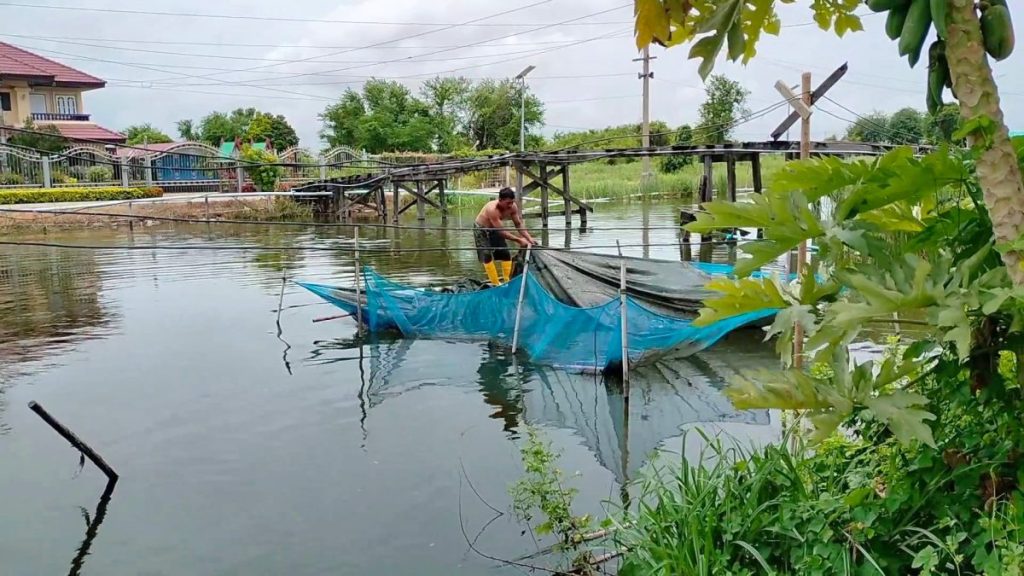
{"points": [[546, 173]]}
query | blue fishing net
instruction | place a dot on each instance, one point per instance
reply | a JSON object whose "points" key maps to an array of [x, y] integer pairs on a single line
{"points": [[550, 331]]}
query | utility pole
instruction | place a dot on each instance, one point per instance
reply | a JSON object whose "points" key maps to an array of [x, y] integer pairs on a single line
{"points": [[645, 130]]}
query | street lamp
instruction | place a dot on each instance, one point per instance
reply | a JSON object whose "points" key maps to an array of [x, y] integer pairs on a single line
{"points": [[522, 105]]}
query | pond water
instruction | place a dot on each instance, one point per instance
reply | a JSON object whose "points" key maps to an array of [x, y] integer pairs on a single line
{"points": [[251, 443]]}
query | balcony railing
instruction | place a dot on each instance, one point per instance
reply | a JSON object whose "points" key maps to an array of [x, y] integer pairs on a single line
{"points": [[55, 117]]}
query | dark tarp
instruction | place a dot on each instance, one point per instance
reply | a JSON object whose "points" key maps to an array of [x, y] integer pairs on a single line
{"points": [[583, 279]]}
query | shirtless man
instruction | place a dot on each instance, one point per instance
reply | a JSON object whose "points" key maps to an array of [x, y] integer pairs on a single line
{"points": [[489, 234]]}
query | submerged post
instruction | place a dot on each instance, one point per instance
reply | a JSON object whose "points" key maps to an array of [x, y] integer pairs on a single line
{"points": [[519, 304], [75, 441], [359, 292]]}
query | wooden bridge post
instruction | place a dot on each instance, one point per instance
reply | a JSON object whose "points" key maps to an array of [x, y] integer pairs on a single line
{"points": [[707, 194], [421, 207], [442, 199], [395, 202], [755, 171], [544, 194], [343, 204], [565, 196], [382, 202], [519, 186], [730, 176]]}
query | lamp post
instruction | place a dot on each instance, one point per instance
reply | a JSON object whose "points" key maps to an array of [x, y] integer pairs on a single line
{"points": [[522, 105]]}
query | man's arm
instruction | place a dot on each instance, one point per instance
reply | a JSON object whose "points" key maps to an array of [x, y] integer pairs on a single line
{"points": [[518, 221], [494, 221]]}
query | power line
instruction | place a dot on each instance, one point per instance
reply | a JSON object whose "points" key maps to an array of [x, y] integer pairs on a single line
{"points": [[282, 18], [726, 126], [420, 34], [209, 76], [252, 59], [470, 45], [422, 75], [257, 45], [334, 249], [908, 138]]}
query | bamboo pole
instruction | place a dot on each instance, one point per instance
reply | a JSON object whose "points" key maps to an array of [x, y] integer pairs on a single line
{"points": [[625, 329], [359, 293], [75, 441], [519, 304]]}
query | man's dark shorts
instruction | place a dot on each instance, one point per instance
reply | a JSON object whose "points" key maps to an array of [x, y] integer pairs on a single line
{"points": [[490, 245]]}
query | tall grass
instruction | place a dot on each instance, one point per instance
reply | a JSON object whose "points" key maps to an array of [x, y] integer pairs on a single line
{"points": [[740, 512]]}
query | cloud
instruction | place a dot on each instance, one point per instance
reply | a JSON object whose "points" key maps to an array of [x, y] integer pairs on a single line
{"points": [[585, 73]]}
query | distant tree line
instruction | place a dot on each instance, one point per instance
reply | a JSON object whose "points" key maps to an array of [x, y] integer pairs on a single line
{"points": [[907, 126], [448, 115]]}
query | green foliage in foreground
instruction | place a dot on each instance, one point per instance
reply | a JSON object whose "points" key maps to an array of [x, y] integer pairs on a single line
{"points": [[917, 456], [85, 194]]}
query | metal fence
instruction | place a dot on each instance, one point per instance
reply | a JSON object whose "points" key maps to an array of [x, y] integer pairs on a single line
{"points": [[182, 167]]}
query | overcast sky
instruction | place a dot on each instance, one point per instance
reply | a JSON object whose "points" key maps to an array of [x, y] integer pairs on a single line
{"points": [[162, 68]]}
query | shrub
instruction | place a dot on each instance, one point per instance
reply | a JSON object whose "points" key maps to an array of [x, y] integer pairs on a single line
{"points": [[63, 178], [260, 168], [11, 179], [41, 195], [99, 174]]}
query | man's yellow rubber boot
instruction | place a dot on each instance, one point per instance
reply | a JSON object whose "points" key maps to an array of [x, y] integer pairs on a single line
{"points": [[506, 269], [492, 273]]}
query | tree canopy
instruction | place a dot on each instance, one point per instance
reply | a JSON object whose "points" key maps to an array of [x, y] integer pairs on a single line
{"points": [[248, 124], [726, 102], [145, 134], [450, 114]]}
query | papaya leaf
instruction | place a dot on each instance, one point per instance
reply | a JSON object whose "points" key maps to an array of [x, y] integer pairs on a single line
{"points": [[901, 412], [784, 390], [651, 21], [783, 325], [739, 297], [825, 424]]}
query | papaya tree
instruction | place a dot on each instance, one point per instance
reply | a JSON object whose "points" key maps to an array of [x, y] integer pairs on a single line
{"points": [[968, 34]]}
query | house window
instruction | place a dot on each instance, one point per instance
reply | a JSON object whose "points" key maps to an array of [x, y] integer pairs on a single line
{"points": [[5, 101], [67, 105], [38, 102]]}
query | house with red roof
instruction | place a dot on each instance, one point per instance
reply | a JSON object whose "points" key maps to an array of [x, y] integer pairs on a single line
{"points": [[48, 92]]}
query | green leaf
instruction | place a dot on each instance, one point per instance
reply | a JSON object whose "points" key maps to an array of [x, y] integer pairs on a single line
{"points": [[901, 413], [961, 338], [739, 297], [784, 390], [651, 22]]}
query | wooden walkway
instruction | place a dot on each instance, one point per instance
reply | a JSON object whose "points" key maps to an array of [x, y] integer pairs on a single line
{"points": [[547, 174]]}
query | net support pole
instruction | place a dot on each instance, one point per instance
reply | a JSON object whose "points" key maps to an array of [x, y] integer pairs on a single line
{"points": [[519, 303], [625, 330], [359, 285]]}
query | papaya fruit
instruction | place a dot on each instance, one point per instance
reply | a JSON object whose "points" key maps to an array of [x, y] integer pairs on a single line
{"points": [[939, 9], [915, 29], [997, 30], [885, 5], [894, 22]]}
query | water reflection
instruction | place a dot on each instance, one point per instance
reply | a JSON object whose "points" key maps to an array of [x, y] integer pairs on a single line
{"points": [[49, 300], [665, 396], [92, 529]]}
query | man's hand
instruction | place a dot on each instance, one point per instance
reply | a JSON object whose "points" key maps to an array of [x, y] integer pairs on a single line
{"points": [[523, 242]]}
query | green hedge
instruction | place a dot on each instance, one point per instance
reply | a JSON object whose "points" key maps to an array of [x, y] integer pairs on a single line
{"points": [[99, 193]]}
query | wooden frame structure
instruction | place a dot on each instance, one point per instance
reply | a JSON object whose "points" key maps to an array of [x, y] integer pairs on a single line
{"points": [[547, 173]]}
